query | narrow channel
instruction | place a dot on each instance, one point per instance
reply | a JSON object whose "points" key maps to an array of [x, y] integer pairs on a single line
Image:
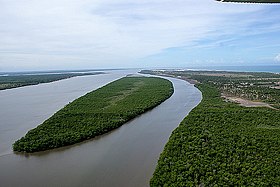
{"points": [[124, 157]]}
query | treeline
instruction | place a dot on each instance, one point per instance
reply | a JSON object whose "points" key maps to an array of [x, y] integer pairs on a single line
{"points": [[222, 144], [96, 113], [14, 81]]}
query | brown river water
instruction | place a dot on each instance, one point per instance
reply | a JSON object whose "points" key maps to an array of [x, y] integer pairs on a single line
{"points": [[125, 157]]}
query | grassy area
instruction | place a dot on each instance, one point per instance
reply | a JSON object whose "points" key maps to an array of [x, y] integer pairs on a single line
{"points": [[14, 81], [96, 113], [222, 144]]}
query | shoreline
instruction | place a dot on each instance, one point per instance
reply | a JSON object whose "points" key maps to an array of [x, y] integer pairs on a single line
{"points": [[12, 85]]}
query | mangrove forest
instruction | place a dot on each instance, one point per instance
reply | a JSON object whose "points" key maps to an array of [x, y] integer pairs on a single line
{"points": [[221, 143], [96, 113]]}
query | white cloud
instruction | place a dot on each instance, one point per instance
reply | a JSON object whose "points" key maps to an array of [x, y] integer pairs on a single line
{"points": [[94, 33], [277, 58]]}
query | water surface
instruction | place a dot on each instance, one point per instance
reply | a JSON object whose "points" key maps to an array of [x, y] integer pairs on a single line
{"points": [[124, 157], [23, 108]]}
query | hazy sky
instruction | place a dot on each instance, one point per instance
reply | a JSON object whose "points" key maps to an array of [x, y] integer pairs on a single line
{"points": [[77, 34]]}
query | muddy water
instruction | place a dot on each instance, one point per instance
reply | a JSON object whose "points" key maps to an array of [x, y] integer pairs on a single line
{"points": [[124, 157]]}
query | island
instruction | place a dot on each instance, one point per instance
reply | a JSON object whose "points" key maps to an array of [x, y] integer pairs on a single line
{"points": [[97, 113], [232, 138]]}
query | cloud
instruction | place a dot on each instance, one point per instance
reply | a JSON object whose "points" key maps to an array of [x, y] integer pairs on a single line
{"points": [[109, 33], [277, 58]]}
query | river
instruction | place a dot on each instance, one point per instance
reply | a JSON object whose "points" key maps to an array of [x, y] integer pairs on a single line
{"points": [[124, 157]]}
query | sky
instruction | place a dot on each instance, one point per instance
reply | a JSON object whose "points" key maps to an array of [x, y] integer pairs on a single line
{"points": [[89, 34]]}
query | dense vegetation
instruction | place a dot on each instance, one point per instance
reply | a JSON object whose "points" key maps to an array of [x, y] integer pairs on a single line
{"points": [[14, 81], [97, 113], [253, 86], [222, 144]]}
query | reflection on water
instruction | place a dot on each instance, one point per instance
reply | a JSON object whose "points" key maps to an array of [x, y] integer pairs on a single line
{"points": [[124, 157]]}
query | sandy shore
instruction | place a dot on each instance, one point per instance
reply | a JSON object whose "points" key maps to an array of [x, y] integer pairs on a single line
{"points": [[246, 103]]}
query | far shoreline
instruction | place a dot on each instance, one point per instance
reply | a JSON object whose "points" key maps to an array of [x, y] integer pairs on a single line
{"points": [[18, 81]]}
